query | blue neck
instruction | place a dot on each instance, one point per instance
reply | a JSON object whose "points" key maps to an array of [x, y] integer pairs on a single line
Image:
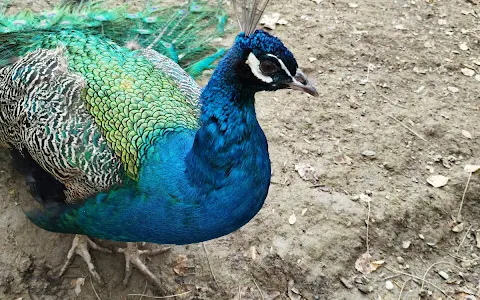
{"points": [[229, 128]]}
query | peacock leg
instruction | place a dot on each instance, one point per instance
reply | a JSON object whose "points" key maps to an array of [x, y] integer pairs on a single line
{"points": [[80, 246], [132, 257]]}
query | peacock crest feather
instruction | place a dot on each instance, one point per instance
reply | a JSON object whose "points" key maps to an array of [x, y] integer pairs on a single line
{"points": [[249, 13]]}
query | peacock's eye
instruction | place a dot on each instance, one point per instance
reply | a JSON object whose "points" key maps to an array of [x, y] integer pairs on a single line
{"points": [[267, 67]]}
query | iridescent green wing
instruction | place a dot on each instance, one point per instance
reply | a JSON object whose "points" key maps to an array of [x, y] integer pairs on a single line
{"points": [[133, 102]]}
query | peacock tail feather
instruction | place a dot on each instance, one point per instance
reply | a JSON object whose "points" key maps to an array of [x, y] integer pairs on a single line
{"points": [[182, 33]]}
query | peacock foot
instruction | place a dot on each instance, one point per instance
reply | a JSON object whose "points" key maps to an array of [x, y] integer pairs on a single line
{"points": [[132, 257], [80, 246]]}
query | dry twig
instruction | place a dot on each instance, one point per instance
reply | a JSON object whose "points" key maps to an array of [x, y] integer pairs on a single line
{"points": [[429, 268], [459, 215], [93, 287], [403, 287], [261, 294], [209, 265], [408, 128], [161, 297], [385, 97], [368, 226], [464, 237], [418, 278], [144, 290]]}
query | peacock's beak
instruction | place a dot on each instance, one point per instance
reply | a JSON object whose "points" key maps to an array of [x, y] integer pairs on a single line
{"points": [[300, 82]]}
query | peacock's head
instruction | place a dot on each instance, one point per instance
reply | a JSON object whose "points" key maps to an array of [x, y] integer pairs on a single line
{"points": [[268, 65]]}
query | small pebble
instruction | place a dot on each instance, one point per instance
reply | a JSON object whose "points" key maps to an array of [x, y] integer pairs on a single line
{"points": [[400, 260], [406, 244], [467, 72], [453, 89], [463, 46], [369, 153], [443, 274], [346, 283], [458, 227], [365, 289], [293, 219], [389, 285]]}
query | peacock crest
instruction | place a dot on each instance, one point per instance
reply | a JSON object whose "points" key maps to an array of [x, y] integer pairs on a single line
{"points": [[249, 13]]}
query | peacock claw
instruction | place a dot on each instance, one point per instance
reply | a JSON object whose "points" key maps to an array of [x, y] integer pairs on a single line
{"points": [[132, 257], [80, 246]]}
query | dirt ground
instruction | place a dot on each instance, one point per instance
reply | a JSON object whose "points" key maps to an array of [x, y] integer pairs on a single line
{"points": [[397, 105]]}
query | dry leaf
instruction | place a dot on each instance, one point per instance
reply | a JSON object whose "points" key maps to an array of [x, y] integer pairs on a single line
{"points": [[342, 159], [293, 292], [437, 180], [293, 219], [273, 295], [180, 266], [271, 21], [79, 282], [184, 291], [467, 134], [363, 264], [306, 172], [376, 264], [458, 227], [471, 168], [365, 198]]}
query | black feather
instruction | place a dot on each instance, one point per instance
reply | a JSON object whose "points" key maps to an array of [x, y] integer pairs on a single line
{"points": [[42, 185]]}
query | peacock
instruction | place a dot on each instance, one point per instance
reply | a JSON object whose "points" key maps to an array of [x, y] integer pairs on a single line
{"points": [[116, 140]]}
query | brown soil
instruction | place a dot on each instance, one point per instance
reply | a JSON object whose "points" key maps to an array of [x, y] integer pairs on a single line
{"points": [[376, 63]]}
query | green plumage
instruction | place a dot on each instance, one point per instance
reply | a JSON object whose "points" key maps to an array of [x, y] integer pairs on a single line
{"points": [[134, 96], [182, 33], [131, 100]]}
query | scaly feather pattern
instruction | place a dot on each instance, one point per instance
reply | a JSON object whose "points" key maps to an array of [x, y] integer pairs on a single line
{"points": [[37, 99], [88, 109]]}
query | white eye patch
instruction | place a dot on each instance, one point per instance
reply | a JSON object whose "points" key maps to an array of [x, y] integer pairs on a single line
{"points": [[254, 65], [284, 67]]}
